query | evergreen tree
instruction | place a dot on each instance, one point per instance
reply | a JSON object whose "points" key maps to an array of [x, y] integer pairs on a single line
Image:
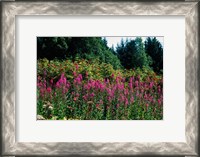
{"points": [[154, 49], [121, 53], [132, 54], [52, 47]]}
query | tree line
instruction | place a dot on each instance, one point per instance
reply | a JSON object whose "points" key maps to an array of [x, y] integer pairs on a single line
{"points": [[128, 54]]}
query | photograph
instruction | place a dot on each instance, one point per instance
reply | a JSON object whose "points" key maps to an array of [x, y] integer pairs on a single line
{"points": [[100, 78]]}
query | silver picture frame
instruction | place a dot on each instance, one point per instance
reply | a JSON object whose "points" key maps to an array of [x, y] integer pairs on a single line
{"points": [[11, 9]]}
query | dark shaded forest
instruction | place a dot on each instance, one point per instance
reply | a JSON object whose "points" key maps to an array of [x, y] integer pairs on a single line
{"points": [[128, 54]]}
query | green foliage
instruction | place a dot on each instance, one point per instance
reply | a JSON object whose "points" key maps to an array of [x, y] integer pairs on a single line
{"points": [[52, 47], [91, 90], [90, 48], [94, 69], [132, 54], [154, 49]]}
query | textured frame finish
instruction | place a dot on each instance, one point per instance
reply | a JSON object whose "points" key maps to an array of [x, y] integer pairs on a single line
{"points": [[11, 9]]}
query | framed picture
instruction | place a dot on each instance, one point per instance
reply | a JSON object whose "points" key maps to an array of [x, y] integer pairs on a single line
{"points": [[100, 78]]}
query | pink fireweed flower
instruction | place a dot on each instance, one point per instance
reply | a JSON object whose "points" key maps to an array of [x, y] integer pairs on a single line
{"points": [[39, 78], [67, 85], [45, 72], [42, 92], [76, 66], [44, 83], [123, 80], [122, 97], [51, 81], [39, 84], [138, 77], [61, 82], [132, 99], [159, 101], [64, 91], [114, 87], [147, 105], [92, 83], [126, 92], [151, 85], [109, 99], [75, 98], [98, 106], [100, 102], [85, 97], [117, 79], [151, 99], [49, 90], [145, 96], [131, 80], [62, 75], [126, 101], [96, 84], [86, 86], [92, 95], [137, 94], [80, 76], [107, 81], [101, 87], [111, 91], [122, 86], [77, 80], [58, 84], [108, 91], [74, 73], [118, 86], [159, 90], [136, 83], [131, 86], [86, 74], [117, 105], [64, 81]]}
